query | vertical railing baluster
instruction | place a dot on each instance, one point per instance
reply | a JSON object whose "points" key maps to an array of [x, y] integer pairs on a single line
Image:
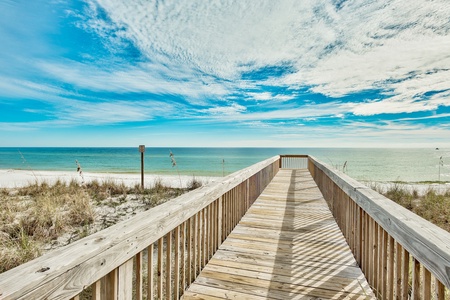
{"points": [[169, 265], [139, 272], [199, 243], [204, 237], [369, 248], [220, 221], [416, 279], [390, 283], [376, 263], [189, 251], [160, 267], [195, 246], [183, 256], [176, 280], [97, 290], [405, 275], [426, 292], [150, 273], [398, 271], [125, 281], [439, 290]]}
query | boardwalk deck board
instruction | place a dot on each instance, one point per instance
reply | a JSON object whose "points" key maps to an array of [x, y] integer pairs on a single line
{"points": [[287, 246]]}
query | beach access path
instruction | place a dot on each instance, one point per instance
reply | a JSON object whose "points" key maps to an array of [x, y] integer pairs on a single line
{"points": [[287, 246]]}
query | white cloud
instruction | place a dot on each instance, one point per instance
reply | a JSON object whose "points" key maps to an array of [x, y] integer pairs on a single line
{"points": [[151, 78], [237, 113], [360, 46], [231, 110], [265, 96]]}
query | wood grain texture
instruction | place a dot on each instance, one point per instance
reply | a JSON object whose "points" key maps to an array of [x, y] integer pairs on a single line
{"points": [[287, 246], [139, 276], [70, 269], [125, 281], [423, 240]]}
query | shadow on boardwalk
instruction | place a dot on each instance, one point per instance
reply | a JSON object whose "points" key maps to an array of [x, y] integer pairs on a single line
{"points": [[312, 260]]}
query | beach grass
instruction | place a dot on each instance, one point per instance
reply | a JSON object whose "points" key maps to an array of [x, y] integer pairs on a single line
{"points": [[432, 205], [35, 216]]}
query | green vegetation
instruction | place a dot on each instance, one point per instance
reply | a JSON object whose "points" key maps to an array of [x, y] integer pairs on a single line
{"points": [[431, 205], [35, 216]]}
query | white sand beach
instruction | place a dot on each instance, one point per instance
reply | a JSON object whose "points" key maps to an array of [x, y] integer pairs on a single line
{"points": [[19, 178], [420, 188]]}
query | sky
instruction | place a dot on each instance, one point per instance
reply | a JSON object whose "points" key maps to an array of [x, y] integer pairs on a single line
{"points": [[244, 73]]}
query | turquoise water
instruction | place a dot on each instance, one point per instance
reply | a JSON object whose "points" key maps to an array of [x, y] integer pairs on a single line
{"points": [[362, 164]]}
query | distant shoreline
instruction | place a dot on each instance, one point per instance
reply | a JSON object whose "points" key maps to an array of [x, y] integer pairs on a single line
{"points": [[10, 178]]}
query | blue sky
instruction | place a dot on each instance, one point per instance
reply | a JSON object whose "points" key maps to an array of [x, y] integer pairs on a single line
{"points": [[245, 73]]}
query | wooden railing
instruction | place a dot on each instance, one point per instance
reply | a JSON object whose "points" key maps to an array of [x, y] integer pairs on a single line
{"points": [[402, 255], [293, 161], [156, 254]]}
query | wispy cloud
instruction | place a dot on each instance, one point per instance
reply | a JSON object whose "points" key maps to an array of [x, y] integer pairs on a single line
{"points": [[336, 50], [375, 69]]}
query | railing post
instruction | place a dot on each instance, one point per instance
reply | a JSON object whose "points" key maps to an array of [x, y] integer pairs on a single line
{"points": [[125, 281], [219, 223]]}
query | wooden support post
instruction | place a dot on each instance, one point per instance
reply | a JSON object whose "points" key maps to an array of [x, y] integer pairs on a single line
{"points": [[189, 251], [139, 272], [416, 280], [160, 268], [142, 150], [219, 221], [183, 256], [398, 271], [150, 288], [125, 281], [177, 282], [426, 284], [169, 265], [391, 269], [405, 275], [439, 290], [97, 290]]}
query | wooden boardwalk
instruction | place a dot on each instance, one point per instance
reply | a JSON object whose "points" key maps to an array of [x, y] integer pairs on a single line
{"points": [[287, 246]]}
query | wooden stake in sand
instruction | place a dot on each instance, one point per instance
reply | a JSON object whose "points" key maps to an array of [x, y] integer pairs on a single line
{"points": [[142, 150]]}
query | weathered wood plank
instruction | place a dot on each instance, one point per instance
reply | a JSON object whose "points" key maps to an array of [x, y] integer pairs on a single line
{"points": [[71, 268], [150, 270], [139, 276], [97, 290], [422, 239], [125, 281], [285, 247]]}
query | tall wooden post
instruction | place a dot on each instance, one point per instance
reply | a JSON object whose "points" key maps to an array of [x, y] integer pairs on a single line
{"points": [[142, 150]]}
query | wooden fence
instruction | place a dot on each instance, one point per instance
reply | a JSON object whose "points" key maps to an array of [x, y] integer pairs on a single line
{"points": [[402, 255], [156, 254]]}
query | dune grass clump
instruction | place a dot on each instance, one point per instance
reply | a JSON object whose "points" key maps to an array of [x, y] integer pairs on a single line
{"points": [[432, 206], [435, 208], [400, 194], [193, 184], [37, 214]]}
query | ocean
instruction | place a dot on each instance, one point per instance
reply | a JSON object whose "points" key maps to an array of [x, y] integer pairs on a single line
{"points": [[378, 165]]}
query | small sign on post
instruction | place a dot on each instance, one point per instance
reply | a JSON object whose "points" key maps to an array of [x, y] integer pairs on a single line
{"points": [[142, 150]]}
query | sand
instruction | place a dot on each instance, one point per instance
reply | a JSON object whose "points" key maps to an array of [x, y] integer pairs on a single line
{"points": [[19, 178]]}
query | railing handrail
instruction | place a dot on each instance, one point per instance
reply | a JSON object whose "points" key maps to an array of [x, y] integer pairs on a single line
{"points": [[425, 241], [66, 271]]}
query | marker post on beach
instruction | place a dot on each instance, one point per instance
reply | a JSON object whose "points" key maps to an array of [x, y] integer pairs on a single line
{"points": [[142, 150]]}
